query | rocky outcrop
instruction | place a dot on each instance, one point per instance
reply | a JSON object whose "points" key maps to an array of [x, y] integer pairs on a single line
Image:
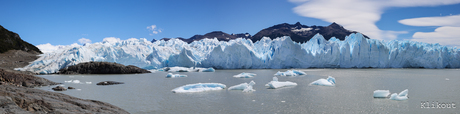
{"points": [[19, 79], [59, 88], [102, 68], [109, 83], [11, 41], [21, 100]]}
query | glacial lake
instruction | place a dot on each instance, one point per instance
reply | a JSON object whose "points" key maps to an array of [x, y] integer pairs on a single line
{"points": [[353, 93]]}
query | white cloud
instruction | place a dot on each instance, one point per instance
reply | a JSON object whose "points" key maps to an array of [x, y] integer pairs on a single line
{"points": [[84, 40], [48, 48], [446, 34], [453, 20], [111, 39], [153, 29], [360, 15]]}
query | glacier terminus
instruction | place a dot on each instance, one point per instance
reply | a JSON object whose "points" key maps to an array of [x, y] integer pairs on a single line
{"points": [[280, 53]]}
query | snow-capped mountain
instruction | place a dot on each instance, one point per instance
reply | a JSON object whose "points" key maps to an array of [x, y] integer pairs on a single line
{"points": [[219, 35], [298, 33], [303, 33], [355, 51]]}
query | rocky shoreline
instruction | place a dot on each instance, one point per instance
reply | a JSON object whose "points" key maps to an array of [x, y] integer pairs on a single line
{"points": [[102, 68]]}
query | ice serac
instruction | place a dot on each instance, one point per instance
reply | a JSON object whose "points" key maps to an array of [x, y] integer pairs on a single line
{"points": [[280, 53]]}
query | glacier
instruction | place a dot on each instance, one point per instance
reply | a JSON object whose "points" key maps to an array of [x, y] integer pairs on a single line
{"points": [[280, 53]]}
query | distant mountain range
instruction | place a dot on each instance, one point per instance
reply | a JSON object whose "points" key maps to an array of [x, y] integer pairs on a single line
{"points": [[11, 41], [297, 32]]}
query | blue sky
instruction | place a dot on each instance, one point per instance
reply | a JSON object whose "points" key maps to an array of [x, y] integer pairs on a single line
{"points": [[68, 22]]}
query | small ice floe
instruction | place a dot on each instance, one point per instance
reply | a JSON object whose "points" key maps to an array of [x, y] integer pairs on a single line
{"points": [[447, 79], [290, 73], [277, 84], [330, 81], [199, 87], [208, 70], [381, 93], [401, 96], [88, 82], [73, 81], [170, 75], [244, 86], [185, 69], [245, 75]]}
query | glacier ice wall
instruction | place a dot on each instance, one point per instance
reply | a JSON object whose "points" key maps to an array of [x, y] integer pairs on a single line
{"points": [[354, 52]]}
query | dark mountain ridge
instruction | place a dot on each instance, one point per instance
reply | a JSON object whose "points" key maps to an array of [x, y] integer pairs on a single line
{"points": [[12, 41], [297, 32]]}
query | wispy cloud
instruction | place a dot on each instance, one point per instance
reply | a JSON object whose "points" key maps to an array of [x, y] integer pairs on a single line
{"points": [[153, 29], [447, 32], [84, 40], [359, 15]]}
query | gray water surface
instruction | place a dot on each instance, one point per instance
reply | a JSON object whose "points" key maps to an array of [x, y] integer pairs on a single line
{"points": [[151, 93]]}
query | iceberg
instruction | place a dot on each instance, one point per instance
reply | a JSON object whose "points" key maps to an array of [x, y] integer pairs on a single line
{"points": [[290, 73], [277, 84], [170, 75], [330, 81], [381, 93], [401, 96], [244, 86], [73, 81], [185, 69], [355, 51], [245, 75], [199, 87], [208, 70]]}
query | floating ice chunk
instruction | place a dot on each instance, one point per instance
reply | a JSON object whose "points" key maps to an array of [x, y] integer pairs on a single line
{"points": [[401, 96], [330, 81], [208, 70], [73, 81], [88, 82], [179, 69], [381, 93], [244, 86], [298, 72], [245, 75], [199, 87], [290, 73], [277, 84], [170, 75]]}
